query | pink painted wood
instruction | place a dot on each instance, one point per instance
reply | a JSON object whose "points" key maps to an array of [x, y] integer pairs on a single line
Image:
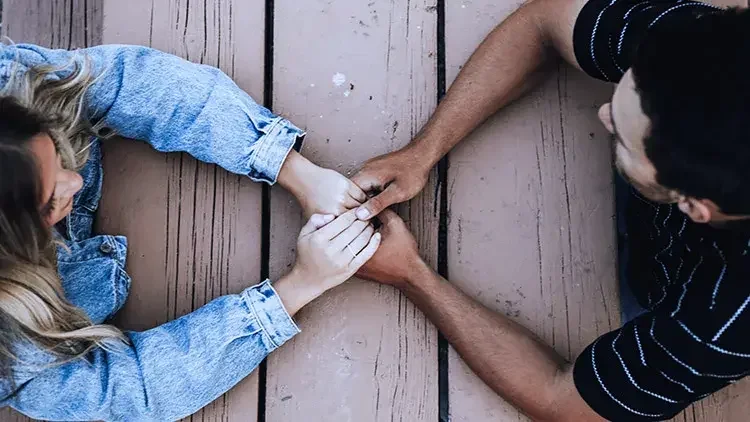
{"points": [[194, 229], [54, 23], [361, 78], [539, 245], [542, 169], [532, 174]]}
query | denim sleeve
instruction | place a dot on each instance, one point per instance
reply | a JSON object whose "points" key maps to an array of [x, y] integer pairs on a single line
{"points": [[176, 105], [166, 373]]}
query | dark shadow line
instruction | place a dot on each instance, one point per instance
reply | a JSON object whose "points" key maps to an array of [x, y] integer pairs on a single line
{"points": [[443, 165], [265, 253]]}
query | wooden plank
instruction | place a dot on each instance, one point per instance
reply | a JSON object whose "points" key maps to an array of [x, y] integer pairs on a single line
{"points": [[194, 229], [366, 353], [544, 163], [9, 415], [54, 24], [540, 245]]}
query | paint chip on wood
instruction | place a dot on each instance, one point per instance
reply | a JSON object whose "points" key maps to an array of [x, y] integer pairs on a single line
{"points": [[339, 79]]}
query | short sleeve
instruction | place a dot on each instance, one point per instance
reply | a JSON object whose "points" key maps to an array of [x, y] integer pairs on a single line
{"points": [[608, 32], [652, 368]]}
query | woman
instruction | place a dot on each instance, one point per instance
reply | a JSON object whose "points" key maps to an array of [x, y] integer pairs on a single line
{"points": [[59, 282]]}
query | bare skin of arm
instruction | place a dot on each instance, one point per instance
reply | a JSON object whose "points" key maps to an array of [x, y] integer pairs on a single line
{"points": [[506, 356], [318, 190], [511, 59]]}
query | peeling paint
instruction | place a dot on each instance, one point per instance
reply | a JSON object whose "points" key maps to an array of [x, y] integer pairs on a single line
{"points": [[339, 79]]}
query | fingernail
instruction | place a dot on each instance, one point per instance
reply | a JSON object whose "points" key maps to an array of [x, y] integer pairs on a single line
{"points": [[362, 213], [328, 218], [377, 236]]}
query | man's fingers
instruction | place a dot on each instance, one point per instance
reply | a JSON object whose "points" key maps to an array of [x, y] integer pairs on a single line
{"points": [[315, 222], [388, 217], [338, 225], [367, 253], [365, 181], [357, 193], [378, 203]]}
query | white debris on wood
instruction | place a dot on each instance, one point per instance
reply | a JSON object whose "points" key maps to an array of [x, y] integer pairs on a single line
{"points": [[339, 79]]}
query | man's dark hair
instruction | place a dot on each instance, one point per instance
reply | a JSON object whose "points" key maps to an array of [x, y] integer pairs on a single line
{"points": [[694, 82]]}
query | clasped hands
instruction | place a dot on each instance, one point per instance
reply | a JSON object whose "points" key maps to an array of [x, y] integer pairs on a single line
{"points": [[329, 198]]}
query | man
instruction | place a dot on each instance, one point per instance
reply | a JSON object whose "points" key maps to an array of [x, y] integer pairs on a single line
{"points": [[681, 118]]}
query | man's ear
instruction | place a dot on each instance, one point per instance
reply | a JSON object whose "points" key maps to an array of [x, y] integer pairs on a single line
{"points": [[605, 115], [699, 210]]}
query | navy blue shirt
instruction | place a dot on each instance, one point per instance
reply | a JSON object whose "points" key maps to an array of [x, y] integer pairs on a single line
{"points": [[693, 279]]}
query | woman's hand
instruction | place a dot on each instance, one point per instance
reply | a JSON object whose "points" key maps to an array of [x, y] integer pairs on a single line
{"points": [[319, 190], [329, 252]]}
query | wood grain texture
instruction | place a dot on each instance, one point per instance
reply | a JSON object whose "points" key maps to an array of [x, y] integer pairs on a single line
{"points": [[366, 353], [53, 24], [531, 231], [542, 170], [194, 230]]}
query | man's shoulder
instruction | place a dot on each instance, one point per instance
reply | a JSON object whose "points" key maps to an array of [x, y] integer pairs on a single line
{"points": [[608, 32]]}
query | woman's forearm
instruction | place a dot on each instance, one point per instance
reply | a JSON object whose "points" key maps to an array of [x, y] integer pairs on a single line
{"points": [[165, 373], [175, 105]]}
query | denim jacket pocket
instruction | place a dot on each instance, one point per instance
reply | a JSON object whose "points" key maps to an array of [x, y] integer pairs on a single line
{"points": [[88, 198], [86, 202], [94, 278]]}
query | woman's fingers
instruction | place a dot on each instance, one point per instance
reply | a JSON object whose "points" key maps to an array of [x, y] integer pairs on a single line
{"points": [[315, 222], [347, 236], [367, 253], [362, 240], [358, 194], [350, 202], [335, 228]]}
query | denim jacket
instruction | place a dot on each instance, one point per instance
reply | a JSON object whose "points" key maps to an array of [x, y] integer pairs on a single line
{"points": [[175, 369]]}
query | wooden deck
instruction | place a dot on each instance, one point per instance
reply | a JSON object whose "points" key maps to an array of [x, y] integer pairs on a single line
{"points": [[521, 218]]}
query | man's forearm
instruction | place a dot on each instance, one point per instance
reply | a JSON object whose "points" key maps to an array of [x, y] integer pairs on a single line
{"points": [[506, 356], [504, 66]]}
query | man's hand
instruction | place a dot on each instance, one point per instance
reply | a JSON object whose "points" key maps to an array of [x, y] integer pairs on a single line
{"points": [[396, 177], [319, 190], [398, 258]]}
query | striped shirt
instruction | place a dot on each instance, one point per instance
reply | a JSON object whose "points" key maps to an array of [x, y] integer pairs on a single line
{"points": [[693, 279]]}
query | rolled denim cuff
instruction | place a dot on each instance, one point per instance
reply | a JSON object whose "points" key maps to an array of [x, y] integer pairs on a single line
{"points": [[272, 149], [270, 313]]}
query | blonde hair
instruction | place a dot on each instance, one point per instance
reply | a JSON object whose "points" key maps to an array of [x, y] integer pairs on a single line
{"points": [[33, 307], [61, 101]]}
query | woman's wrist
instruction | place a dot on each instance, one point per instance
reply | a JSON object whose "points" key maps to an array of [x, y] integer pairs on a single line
{"points": [[295, 291], [291, 174]]}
